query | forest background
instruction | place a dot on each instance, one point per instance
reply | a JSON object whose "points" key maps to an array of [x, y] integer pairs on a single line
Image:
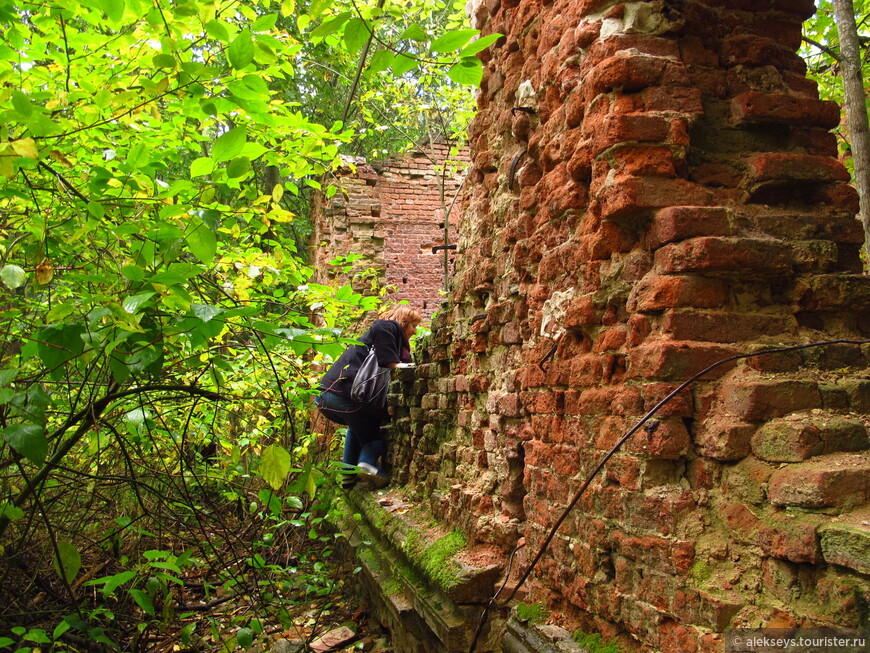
{"points": [[162, 485]]}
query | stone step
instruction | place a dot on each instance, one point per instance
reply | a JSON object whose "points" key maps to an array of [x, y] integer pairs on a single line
{"points": [[834, 483], [441, 609], [801, 436]]}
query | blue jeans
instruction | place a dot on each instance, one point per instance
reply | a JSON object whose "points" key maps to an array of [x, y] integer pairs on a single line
{"points": [[364, 442]]}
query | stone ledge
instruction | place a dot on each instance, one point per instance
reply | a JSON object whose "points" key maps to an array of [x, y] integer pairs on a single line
{"points": [[423, 611]]}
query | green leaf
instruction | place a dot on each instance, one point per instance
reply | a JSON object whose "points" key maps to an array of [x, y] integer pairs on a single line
{"points": [[469, 72], [133, 272], [28, 440], [143, 601], [217, 29], [238, 167], [21, 103], [264, 23], [204, 165], [452, 40], [318, 7], [57, 344], [330, 26], [13, 276], [10, 512], [114, 582], [241, 51], [68, 561], [356, 34], [7, 376], [403, 63], [229, 145], [275, 465], [205, 312], [381, 60], [201, 241], [414, 33], [245, 637], [134, 303], [479, 45]]}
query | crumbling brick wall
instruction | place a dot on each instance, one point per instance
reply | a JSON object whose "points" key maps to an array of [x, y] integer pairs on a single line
{"points": [[391, 214], [654, 188]]}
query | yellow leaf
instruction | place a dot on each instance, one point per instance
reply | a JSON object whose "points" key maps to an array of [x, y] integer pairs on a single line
{"points": [[277, 192], [161, 86], [26, 147], [60, 158], [44, 272]]}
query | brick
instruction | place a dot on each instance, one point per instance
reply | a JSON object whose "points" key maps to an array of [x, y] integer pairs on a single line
{"points": [[771, 108], [747, 481], [656, 293], [791, 537], [670, 360], [836, 481], [668, 440], [721, 438], [801, 436], [829, 292], [625, 197], [847, 543], [681, 222], [722, 326], [749, 257], [796, 167], [764, 400], [620, 128]]}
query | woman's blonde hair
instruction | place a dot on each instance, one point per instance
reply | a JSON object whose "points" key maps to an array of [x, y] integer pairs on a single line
{"points": [[404, 315]]}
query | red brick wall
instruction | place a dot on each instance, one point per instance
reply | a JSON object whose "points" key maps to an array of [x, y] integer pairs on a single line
{"points": [[654, 187], [392, 214]]}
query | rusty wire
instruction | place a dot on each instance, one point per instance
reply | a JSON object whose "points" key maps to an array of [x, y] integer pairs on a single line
{"points": [[634, 429]]}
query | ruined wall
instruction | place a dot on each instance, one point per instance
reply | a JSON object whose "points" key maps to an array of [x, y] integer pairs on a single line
{"points": [[654, 188], [392, 214]]}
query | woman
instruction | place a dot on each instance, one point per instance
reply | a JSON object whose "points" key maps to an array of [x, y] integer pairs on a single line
{"points": [[364, 442]]}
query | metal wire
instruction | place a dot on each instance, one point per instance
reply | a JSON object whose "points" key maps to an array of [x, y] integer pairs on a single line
{"points": [[546, 543]]}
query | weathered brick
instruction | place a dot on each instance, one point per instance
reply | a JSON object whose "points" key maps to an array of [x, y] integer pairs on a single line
{"points": [[751, 256], [755, 107], [670, 360], [847, 543], [681, 222], [835, 481], [763, 400], [803, 435], [657, 293], [625, 197], [791, 537]]}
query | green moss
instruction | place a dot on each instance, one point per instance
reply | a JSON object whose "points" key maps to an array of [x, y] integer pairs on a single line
{"points": [[700, 572], [595, 643], [436, 558], [532, 613]]}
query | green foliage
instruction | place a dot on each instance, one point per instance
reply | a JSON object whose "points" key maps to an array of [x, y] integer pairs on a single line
{"points": [[595, 643], [161, 338], [821, 52]]}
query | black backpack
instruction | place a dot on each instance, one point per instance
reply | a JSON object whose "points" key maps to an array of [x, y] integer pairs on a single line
{"points": [[371, 383]]}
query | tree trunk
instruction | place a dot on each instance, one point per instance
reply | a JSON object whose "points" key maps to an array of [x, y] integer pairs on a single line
{"points": [[856, 110]]}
